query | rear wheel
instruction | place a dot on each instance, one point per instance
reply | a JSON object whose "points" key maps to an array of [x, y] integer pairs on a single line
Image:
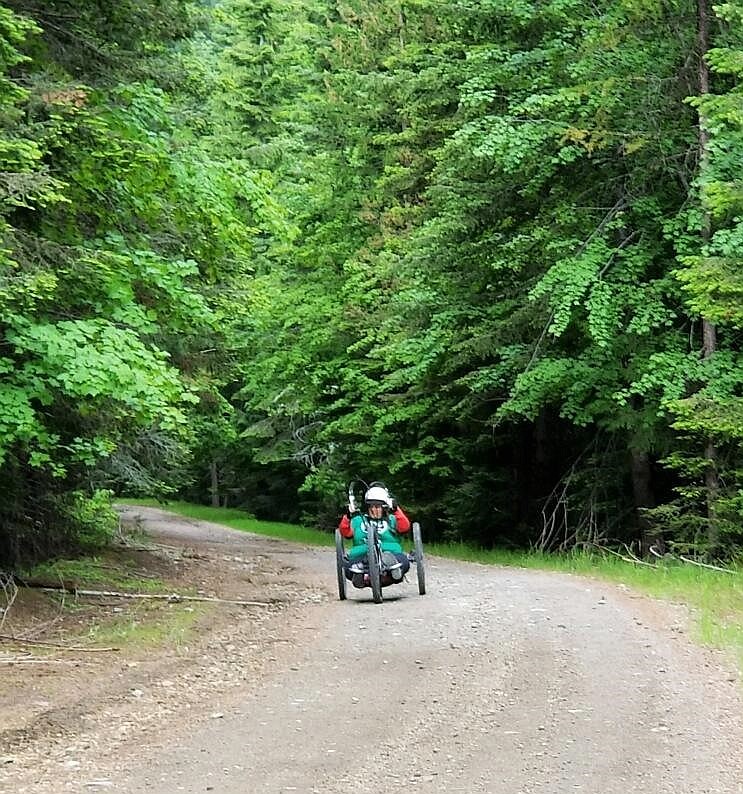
{"points": [[419, 565], [372, 555], [340, 558]]}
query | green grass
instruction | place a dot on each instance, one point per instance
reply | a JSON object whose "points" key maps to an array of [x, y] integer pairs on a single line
{"points": [[141, 624], [716, 598], [148, 626], [98, 572]]}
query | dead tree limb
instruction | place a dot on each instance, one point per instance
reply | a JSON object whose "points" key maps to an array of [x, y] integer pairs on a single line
{"points": [[706, 565], [75, 648], [10, 592], [173, 598], [631, 559], [681, 557], [75, 662]]}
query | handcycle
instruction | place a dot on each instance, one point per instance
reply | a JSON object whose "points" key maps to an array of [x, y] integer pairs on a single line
{"points": [[376, 572]]}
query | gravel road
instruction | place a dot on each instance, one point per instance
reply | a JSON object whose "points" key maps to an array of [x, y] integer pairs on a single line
{"points": [[498, 681]]}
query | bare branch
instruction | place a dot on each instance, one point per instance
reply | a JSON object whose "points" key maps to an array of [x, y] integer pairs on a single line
{"points": [[173, 598], [74, 648], [634, 560], [705, 565]]}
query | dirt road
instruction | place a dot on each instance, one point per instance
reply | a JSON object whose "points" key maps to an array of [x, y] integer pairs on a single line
{"points": [[498, 681]]}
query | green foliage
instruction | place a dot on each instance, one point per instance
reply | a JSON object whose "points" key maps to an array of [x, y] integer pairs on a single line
{"points": [[91, 518], [294, 243], [96, 569], [130, 225]]}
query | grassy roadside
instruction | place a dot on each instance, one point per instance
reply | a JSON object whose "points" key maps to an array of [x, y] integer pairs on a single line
{"points": [[716, 598], [57, 607]]}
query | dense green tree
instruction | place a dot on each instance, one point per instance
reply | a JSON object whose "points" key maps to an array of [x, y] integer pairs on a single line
{"points": [[520, 183], [124, 233]]}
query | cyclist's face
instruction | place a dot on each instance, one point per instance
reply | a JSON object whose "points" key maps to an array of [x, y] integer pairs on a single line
{"points": [[375, 511]]}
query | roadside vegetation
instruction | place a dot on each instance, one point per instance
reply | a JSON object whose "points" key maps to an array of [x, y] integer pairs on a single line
{"points": [[144, 626], [125, 594], [108, 572]]}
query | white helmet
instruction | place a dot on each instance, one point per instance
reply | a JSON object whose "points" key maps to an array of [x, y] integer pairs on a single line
{"points": [[378, 494]]}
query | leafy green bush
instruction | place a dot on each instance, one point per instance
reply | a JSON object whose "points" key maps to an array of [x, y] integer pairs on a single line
{"points": [[92, 520]]}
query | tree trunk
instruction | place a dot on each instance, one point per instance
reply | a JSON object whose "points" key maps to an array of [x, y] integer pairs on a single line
{"points": [[215, 484], [642, 491], [709, 332]]}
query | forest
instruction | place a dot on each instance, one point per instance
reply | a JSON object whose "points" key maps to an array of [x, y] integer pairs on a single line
{"points": [[487, 251]]}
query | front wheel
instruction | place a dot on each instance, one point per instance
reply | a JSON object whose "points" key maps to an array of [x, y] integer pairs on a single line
{"points": [[419, 567], [372, 555], [340, 559]]}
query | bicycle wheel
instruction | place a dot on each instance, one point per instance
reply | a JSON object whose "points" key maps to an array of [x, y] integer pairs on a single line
{"points": [[372, 556], [419, 565], [340, 558]]}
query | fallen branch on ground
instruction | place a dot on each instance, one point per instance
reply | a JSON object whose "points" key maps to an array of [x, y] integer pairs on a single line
{"points": [[706, 565], [691, 562], [48, 644], [632, 559], [75, 662], [173, 598]]}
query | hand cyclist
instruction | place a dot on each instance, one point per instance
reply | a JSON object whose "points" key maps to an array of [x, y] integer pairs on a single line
{"points": [[389, 520]]}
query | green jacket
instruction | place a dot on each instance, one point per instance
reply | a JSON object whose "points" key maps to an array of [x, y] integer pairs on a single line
{"points": [[386, 530]]}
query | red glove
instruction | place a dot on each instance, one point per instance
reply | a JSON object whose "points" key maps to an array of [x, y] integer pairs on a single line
{"points": [[344, 526], [403, 522]]}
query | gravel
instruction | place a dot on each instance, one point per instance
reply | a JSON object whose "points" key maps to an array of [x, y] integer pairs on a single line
{"points": [[497, 680]]}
